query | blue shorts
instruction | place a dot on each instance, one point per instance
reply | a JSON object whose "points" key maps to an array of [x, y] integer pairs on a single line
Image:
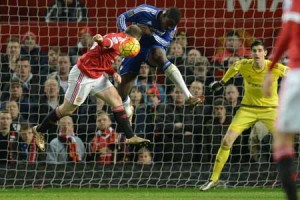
{"points": [[132, 65]]}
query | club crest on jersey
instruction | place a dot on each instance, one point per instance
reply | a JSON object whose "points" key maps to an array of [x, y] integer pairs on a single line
{"points": [[78, 99]]}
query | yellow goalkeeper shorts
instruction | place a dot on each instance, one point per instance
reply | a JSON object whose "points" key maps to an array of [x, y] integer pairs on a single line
{"points": [[245, 117]]}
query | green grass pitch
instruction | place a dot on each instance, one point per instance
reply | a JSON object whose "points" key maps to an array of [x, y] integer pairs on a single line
{"points": [[142, 194]]}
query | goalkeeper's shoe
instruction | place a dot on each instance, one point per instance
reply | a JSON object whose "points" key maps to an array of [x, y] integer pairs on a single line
{"points": [[208, 185], [39, 139], [194, 101], [136, 140]]}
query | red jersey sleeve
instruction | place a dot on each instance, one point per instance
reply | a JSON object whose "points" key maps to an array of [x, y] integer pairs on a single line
{"points": [[281, 44]]}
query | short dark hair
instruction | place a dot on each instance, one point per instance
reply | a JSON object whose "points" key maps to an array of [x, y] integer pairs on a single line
{"points": [[257, 43], [12, 39], [219, 102], [25, 126], [233, 33], [173, 13], [23, 58]]}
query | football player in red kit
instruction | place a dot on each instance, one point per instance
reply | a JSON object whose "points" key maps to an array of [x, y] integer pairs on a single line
{"points": [[287, 123], [87, 78]]}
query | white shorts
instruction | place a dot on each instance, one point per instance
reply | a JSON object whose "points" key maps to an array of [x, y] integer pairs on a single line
{"points": [[80, 86], [288, 119]]}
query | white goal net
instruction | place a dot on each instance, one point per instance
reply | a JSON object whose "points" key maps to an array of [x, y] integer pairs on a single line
{"points": [[40, 44]]}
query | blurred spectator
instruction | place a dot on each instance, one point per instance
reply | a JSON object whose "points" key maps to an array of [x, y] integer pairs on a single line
{"points": [[8, 62], [145, 115], [49, 100], [232, 99], [30, 49], [144, 156], [197, 90], [15, 93], [182, 38], [199, 71], [176, 126], [85, 43], [53, 54], [107, 146], [17, 118], [136, 97], [233, 47], [62, 72], [7, 139], [27, 149], [66, 147], [176, 53], [30, 83], [66, 11], [215, 129], [145, 80]]}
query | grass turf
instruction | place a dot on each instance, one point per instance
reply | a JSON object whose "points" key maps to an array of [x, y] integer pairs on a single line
{"points": [[142, 194]]}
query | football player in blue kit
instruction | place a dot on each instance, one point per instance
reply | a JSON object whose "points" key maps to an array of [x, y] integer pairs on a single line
{"points": [[159, 27]]}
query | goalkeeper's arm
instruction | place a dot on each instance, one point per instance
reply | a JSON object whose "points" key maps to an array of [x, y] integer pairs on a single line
{"points": [[231, 72], [216, 85]]}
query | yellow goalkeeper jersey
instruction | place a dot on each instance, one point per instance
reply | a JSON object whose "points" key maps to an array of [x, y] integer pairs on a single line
{"points": [[253, 82]]}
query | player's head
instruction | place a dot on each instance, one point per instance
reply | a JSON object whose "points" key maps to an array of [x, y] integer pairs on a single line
{"points": [[233, 41], [134, 31], [169, 18], [258, 51]]}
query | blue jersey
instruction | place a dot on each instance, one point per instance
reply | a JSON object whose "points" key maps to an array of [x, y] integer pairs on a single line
{"points": [[147, 15], [144, 15]]}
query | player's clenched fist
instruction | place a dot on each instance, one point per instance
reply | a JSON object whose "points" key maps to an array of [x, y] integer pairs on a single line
{"points": [[98, 38], [216, 86]]}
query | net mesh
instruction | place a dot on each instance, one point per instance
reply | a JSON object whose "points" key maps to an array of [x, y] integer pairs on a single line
{"points": [[181, 157]]}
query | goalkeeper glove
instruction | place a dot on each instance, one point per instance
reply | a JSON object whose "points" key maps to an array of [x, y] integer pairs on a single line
{"points": [[216, 86]]}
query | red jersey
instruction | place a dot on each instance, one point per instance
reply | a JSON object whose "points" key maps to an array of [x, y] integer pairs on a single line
{"points": [[99, 58], [288, 38], [224, 55]]}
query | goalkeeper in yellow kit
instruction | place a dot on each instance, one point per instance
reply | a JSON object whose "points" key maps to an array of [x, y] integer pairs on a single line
{"points": [[255, 106]]}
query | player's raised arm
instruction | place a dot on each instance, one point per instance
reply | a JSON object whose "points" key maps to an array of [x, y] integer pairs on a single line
{"points": [[231, 72]]}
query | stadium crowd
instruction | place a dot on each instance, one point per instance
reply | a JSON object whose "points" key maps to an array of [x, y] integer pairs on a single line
{"points": [[33, 83]]}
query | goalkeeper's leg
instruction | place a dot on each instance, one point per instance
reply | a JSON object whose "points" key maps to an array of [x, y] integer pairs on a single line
{"points": [[221, 159]]}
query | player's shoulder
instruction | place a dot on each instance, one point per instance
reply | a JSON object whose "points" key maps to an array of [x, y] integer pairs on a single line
{"points": [[278, 66], [245, 61]]}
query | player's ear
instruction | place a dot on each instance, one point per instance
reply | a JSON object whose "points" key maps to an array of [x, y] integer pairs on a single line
{"points": [[266, 52]]}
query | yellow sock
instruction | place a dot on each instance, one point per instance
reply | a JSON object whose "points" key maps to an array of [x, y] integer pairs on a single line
{"points": [[220, 161]]}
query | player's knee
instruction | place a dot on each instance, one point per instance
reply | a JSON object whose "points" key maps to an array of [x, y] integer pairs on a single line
{"points": [[157, 57], [226, 142]]}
